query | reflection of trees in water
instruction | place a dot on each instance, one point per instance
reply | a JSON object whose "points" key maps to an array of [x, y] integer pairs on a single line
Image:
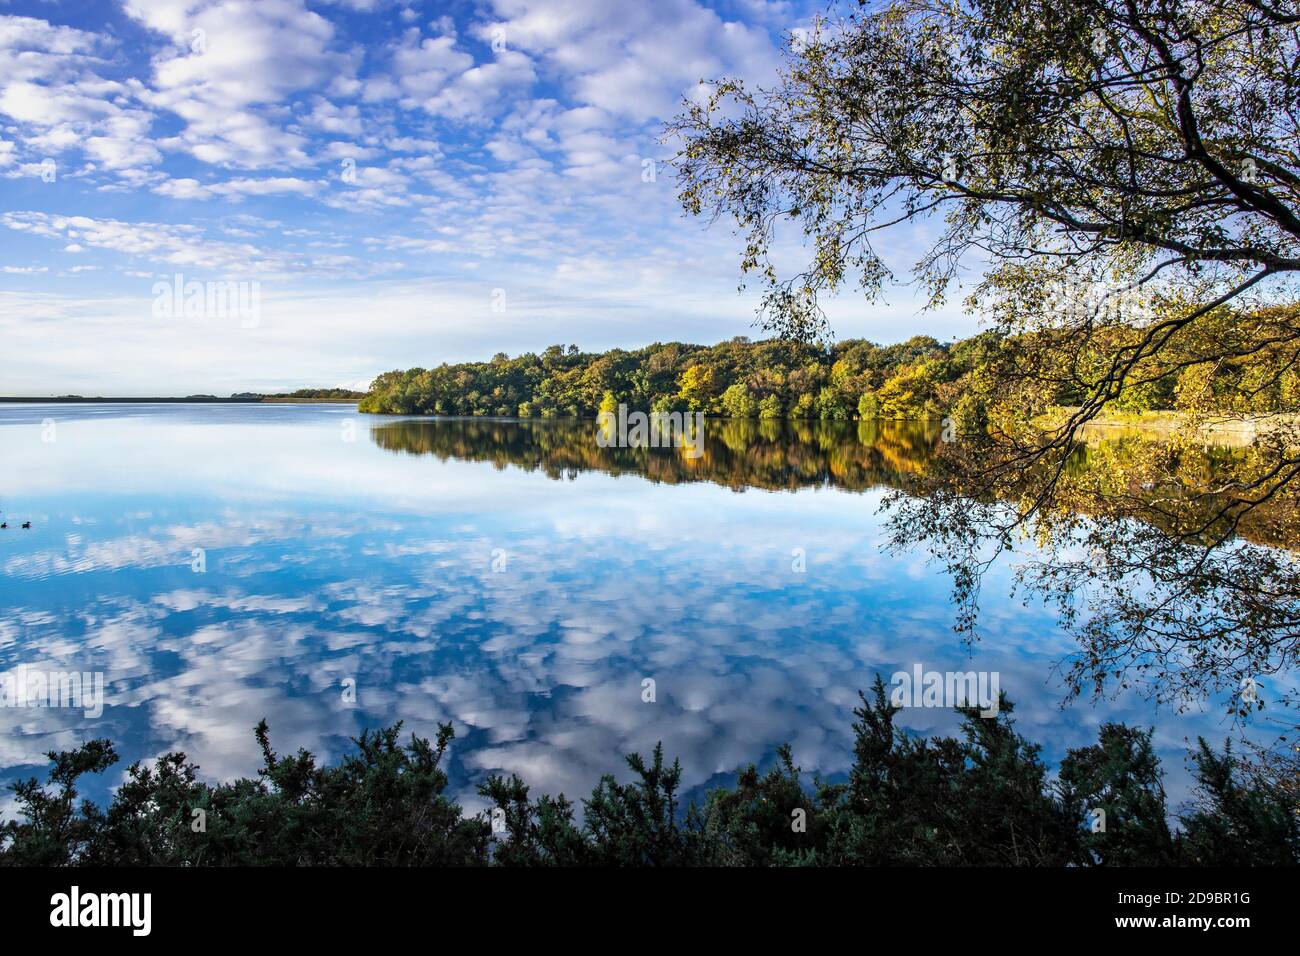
{"points": [[1140, 550], [738, 453], [1184, 488], [854, 456], [1174, 572]]}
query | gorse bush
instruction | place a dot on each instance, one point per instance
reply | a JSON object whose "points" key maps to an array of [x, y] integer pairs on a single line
{"points": [[981, 798]]}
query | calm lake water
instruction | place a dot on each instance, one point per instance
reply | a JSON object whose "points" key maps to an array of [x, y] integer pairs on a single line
{"points": [[515, 579]]}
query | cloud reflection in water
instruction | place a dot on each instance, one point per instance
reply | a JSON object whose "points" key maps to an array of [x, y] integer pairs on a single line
{"points": [[372, 560]]}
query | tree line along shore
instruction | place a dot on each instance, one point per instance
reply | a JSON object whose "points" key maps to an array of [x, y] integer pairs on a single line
{"points": [[921, 377], [301, 396]]}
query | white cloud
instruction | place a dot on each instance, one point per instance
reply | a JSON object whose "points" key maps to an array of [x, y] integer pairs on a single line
{"points": [[634, 60], [237, 188], [422, 67], [49, 85], [34, 50], [175, 245], [345, 120], [485, 90], [279, 185], [229, 59], [183, 189]]}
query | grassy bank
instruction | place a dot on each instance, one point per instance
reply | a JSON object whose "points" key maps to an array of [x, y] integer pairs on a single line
{"points": [[1229, 430]]}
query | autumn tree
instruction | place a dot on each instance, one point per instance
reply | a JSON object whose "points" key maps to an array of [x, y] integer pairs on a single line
{"points": [[1121, 174]]}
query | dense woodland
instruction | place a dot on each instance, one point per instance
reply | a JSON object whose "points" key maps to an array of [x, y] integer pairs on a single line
{"points": [[739, 378], [919, 378], [984, 797]]}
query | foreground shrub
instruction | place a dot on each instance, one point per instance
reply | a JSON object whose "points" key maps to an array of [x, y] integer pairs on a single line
{"points": [[982, 798]]}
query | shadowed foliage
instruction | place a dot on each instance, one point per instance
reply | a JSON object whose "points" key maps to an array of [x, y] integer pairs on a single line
{"points": [[981, 798]]}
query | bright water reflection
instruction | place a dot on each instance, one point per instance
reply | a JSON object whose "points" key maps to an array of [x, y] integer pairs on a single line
{"points": [[341, 546]]}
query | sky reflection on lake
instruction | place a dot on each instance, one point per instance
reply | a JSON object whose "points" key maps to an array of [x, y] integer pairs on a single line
{"points": [[336, 548]]}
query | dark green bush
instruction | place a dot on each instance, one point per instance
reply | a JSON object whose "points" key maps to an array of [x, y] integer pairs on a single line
{"points": [[983, 798]]}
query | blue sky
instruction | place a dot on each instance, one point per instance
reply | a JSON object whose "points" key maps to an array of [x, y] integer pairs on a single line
{"points": [[389, 183]]}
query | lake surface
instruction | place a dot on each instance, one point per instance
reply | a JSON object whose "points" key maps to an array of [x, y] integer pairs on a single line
{"points": [[224, 563]]}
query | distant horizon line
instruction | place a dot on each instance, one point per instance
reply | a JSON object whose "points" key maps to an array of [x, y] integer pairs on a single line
{"points": [[195, 399]]}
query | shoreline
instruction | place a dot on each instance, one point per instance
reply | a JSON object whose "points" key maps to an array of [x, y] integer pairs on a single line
{"points": [[86, 400], [1228, 429]]}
